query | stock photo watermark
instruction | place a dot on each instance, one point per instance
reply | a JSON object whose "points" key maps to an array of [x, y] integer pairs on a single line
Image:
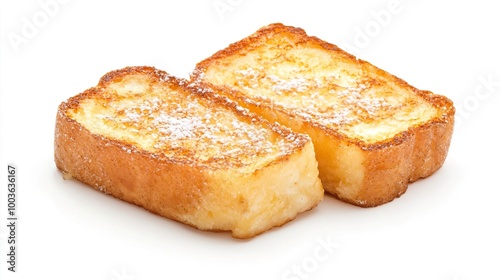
{"points": [[379, 19], [486, 87], [323, 250], [12, 222], [31, 25], [222, 7]]}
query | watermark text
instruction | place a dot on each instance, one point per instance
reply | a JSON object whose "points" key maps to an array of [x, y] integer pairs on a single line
{"points": [[32, 25], [324, 249]]}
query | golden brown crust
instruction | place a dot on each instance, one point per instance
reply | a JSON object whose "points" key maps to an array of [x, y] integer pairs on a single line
{"points": [[209, 195], [105, 165], [207, 92], [389, 164], [245, 46], [420, 153]]}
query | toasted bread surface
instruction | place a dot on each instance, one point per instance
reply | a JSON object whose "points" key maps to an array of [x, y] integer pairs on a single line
{"points": [[373, 133], [185, 153]]}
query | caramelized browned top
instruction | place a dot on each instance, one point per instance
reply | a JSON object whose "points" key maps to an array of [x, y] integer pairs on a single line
{"points": [[163, 115], [284, 69]]}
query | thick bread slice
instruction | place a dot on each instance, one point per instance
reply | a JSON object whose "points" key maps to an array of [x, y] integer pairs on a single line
{"points": [[185, 153], [373, 133]]}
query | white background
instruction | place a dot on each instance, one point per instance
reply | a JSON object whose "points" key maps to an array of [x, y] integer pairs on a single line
{"points": [[445, 227]]}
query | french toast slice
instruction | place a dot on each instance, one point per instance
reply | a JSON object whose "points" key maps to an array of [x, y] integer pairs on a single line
{"points": [[185, 153], [373, 133]]}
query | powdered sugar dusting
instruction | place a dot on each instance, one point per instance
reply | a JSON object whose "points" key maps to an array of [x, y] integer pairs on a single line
{"points": [[299, 84], [325, 102], [314, 85], [182, 125], [132, 115], [177, 128]]}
